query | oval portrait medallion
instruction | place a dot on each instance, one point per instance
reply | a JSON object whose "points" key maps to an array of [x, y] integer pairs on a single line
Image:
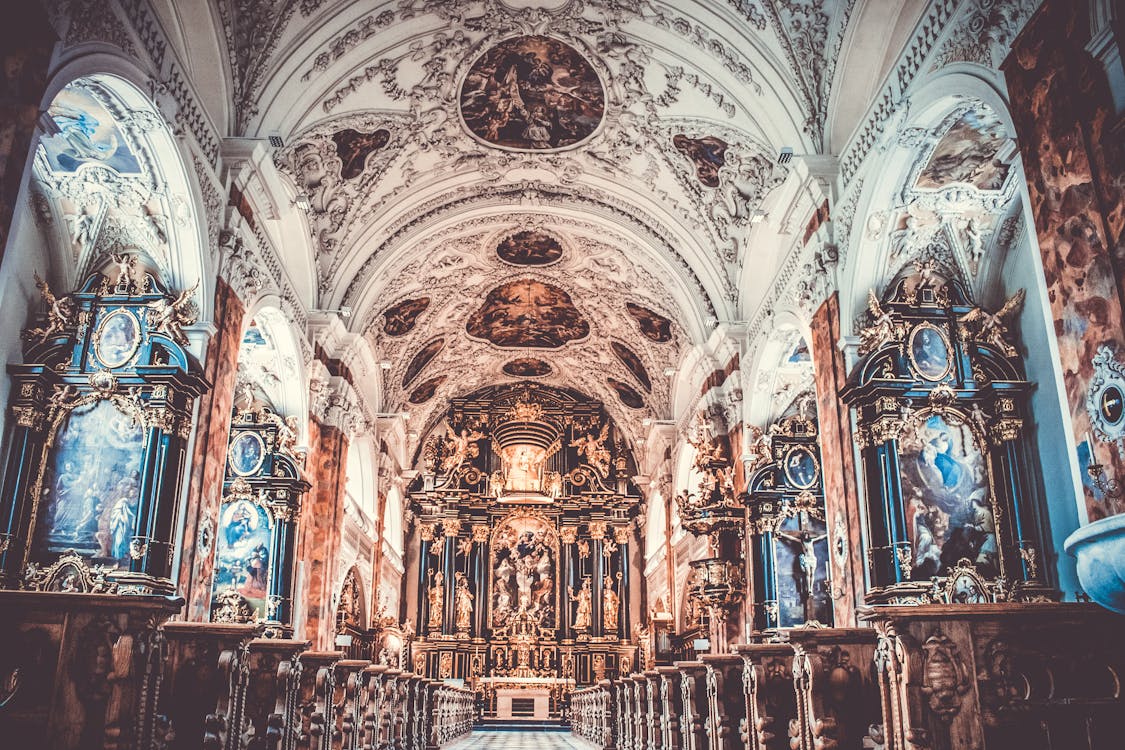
{"points": [[929, 352], [532, 92], [801, 468], [246, 454], [117, 339]]}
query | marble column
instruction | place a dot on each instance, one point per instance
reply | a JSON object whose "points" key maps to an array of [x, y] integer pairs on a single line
{"points": [[479, 579], [1073, 153], [319, 529], [26, 43], [209, 456], [841, 492], [570, 578], [451, 528], [598, 566], [425, 539], [621, 536]]}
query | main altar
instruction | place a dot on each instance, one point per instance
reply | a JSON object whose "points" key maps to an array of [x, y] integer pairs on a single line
{"points": [[524, 520]]}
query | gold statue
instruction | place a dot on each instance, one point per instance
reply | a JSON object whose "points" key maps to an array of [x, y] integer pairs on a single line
{"points": [[437, 601], [611, 604], [169, 318], [880, 331], [463, 604], [60, 312], [991, 327], [582, 613], [459, 448], [593, 450]]}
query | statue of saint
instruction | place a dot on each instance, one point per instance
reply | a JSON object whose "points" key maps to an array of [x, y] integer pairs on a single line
{"points": [[463, 604], [437, 601], [611, 603], [593, 451], [582, 613]]}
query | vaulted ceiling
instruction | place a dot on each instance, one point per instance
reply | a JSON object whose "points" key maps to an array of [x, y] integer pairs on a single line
{"points": [[564, 190]]}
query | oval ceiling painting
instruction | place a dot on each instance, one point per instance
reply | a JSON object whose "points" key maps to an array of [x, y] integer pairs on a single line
{"points": [[527, 367], [400, 319], [631, 361], [421, 359], [532, 92], [528, 313], [529, 248], [426, 391], [656, 327], [625, 392]]}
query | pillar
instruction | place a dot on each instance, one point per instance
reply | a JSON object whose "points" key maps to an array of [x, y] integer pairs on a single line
{"points": [[209, 455], [478, 580]]}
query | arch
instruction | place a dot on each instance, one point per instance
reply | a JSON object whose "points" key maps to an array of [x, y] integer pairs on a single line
{"points": [[270, 363]]}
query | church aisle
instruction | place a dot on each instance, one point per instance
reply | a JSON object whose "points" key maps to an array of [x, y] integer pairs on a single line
{"points": [[494, 740]]}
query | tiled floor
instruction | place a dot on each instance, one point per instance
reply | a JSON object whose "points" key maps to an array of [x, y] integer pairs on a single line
{"points": [[481, 740]]}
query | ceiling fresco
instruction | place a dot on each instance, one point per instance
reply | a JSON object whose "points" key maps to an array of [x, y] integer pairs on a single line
{"points": [[654, 326], [527, 367], [87, 134], [529, 248], [708, 154], [353, 148], [426, 390], [968, 153], [626, 394], [400, 319], [532, 92], [424, 356], [528, 313], [633, 363]]}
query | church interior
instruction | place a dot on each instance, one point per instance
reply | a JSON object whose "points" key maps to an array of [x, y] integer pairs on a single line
{"points": [[591, 374]]}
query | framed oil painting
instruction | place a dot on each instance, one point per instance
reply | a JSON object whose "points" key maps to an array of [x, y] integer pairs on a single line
{"points": [[929, 352], [246, 453], [117, 339], [801, 570], [801, 468], [949, 511], [242, 557], [91, 488], [524, 550]]}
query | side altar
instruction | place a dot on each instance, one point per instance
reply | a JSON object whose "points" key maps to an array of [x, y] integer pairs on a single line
{"points": [[524, 523]]}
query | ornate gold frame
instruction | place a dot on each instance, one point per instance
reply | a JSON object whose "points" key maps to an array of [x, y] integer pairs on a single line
{"points": [[553, 544], [97, 338], [816, 465], [261, 455], [914, 363]]}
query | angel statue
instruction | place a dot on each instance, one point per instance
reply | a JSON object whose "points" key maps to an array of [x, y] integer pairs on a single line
{"points": [[130, 276], [882, 327], [169, 318], [459, 448], [593, 450], [60, 312], [761, 448], [707, 451], [992, 328]]}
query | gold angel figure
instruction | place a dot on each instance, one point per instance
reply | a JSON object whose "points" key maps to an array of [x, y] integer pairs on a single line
{"points": [[169, 318], [60, 312], [593, 450], [992, 328], [880, 330], [460, 448]]}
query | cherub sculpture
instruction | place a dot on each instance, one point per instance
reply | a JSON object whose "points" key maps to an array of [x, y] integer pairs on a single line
{"points": [[593, 450], [881, 329], [60, 312], [169, 318]]}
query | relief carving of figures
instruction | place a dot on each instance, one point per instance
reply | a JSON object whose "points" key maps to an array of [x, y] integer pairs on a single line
{"points": [[945, 681], [992, 328], [463, 604], [611, 605], [437, 601], [582, 611]]}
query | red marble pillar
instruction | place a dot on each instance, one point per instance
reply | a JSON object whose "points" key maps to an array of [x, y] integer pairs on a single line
{"points": [[26, 41], [319, 530], [841, 491], [1074, 157], [208, 463]]}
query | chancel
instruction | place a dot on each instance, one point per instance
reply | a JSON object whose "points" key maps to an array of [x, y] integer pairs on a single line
{"points": [[694, 375]]}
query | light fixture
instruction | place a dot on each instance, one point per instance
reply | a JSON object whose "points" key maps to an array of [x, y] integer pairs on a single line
{"points": [[669, 372], [302, 202], [385, 364], [758, 216], [646, 422], [344, 311], [275, 140], [785, 155]]}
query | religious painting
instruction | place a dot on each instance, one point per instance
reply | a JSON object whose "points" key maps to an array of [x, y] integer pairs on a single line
{"points": [[353, 148], [532, 92], [87, 134], [524, 549], [801, 468], [528, 313], [967, 153], [242, 557], [91, 489], [529, 248], [945, 483], [655, 327], [929, 352], [426, 391], [246, 453], [801, 570], [522, 468], [117, 338], [800, 353], [527, 367], [400, 319], [632, 363], [424, 356], [626, 394], [708, 154]]}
